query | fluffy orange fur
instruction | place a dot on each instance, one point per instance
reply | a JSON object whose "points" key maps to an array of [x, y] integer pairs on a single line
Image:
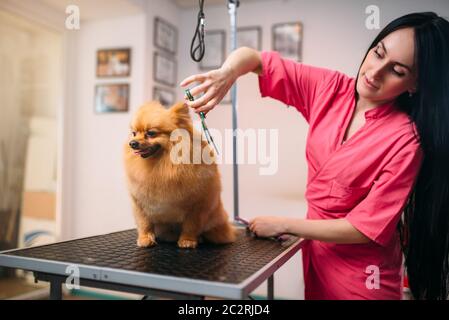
{"points": [[172, 201]]}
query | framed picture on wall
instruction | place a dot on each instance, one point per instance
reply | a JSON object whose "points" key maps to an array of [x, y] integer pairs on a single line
{"points": [[287, 40], [249, 37], [114, 62], [164, 69], [165, 96], [111, 97], [214, 54], [165, 35]]}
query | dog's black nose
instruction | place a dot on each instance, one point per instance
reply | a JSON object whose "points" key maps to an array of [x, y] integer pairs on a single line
{"points": [[134, 144]]}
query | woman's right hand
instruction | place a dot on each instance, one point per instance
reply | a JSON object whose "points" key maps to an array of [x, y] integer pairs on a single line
{"points": [[213, 86]]}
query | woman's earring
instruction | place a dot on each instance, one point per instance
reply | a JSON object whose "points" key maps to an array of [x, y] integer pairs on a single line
{"points": [[410, 94]]}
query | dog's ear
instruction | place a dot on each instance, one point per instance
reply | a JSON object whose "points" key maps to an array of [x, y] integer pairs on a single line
{"points": [[153, 105], [181, 109], [181, 113]]}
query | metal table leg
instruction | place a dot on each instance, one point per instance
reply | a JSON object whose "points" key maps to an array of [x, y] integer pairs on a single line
{"points": [[55, 289], [270, 293], [56, 282]]}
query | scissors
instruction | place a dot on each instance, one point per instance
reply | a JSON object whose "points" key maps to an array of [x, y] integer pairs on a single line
{"points": [[280, 238], [209, 138]]}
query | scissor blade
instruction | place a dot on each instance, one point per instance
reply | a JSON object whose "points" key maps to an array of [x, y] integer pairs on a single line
{"points": [[215, 147], [209, 138]]}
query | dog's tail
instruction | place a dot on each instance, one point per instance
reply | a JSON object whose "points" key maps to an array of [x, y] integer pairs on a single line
{"points": [[221, 234]]}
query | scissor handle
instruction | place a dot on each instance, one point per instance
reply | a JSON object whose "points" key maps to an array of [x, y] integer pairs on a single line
{"points": [[189, 95], [191, 98], [242, 221]]}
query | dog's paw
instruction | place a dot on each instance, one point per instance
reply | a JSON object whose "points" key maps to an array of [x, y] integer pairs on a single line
{"points": [[187, 244], [146, 240]]}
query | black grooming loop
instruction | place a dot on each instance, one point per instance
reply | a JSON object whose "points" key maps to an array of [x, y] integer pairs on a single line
{"points": [[197, 53]]}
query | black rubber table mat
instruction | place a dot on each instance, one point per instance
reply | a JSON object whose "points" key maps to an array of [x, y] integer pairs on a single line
{"points": [[231, 263]]}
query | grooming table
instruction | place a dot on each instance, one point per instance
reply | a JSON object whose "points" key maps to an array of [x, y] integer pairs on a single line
{"points": [[113, 261]]}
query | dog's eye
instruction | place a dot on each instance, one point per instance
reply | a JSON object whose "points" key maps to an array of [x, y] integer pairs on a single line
{"points": [[151, 133], [134, 133]]}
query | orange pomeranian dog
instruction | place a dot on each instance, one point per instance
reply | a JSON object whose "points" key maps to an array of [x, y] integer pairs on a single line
{"points": [[173, 200]]}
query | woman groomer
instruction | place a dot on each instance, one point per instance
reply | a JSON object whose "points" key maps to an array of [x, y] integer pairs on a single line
{"points": [[377, 146]]}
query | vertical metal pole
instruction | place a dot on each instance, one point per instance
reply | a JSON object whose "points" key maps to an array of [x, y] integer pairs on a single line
{"points": [[232, 6]]}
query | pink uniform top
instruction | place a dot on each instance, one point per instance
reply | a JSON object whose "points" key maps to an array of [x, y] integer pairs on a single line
{"points": [[366, 180]]}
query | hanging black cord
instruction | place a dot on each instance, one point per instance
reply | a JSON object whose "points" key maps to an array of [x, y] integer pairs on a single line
{"points": [[197, 53]]}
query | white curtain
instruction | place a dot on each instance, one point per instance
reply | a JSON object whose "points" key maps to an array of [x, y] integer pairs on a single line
{"points": [[29, 62]]}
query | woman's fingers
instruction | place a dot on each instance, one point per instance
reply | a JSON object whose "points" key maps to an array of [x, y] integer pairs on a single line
{"points": [[205, 109], [284, 237], [251, 224], [213, 85], [209, 106], [200, 88], [202, 101], [194, 78]]}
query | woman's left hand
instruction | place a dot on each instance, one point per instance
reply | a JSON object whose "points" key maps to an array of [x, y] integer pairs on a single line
{"points": [[268, 226]]}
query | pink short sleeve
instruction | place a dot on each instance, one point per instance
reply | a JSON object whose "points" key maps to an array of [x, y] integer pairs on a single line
{"points": [[377, 216], [295, 84]]}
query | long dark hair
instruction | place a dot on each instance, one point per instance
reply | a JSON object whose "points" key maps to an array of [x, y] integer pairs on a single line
{"points": [[425, 227]]}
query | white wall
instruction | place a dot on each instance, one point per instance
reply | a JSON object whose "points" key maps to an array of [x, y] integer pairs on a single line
{"points": [[99, 198], [169, 12], [334, 36]]}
